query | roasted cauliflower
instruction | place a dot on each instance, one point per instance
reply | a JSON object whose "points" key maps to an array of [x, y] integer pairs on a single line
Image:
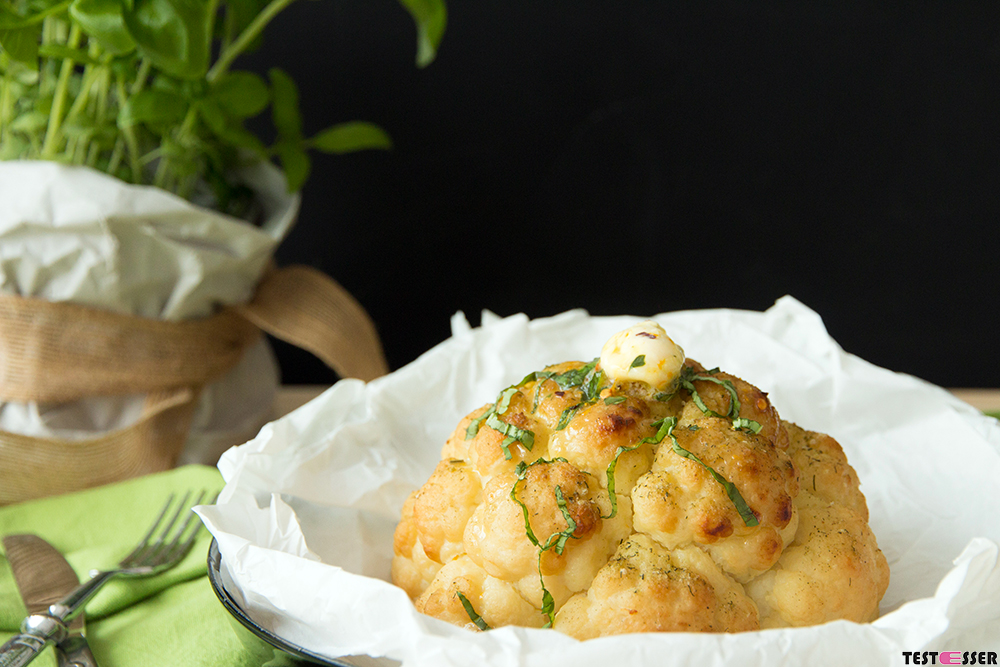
{"points": [[639, 492]]}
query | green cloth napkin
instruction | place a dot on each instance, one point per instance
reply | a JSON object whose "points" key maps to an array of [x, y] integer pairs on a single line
{"points": [[170, 619]]}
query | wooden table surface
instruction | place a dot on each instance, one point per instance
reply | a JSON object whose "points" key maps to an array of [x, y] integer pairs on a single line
{"points": [[292, 396]]}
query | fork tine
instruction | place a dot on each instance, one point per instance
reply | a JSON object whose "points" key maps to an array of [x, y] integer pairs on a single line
{"points": [[149, 551], [180, 545], [144, 542], [181, 506]]}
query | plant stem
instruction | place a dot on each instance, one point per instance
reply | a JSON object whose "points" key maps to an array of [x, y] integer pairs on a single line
{"points": [[5, 105], [131, 143], [59, 101], [249, 34]]}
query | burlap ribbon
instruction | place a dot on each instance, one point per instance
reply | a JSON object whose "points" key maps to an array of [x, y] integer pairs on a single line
{"points": [[60, 352]]}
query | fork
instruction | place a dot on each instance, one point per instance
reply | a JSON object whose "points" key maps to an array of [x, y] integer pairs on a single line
{"points": [[163, 546]]}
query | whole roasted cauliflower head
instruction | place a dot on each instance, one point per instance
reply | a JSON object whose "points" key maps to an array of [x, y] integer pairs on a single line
{"points": [[639, 492]]}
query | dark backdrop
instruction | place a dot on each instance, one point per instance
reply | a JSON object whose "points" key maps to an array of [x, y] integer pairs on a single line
{"points": [[634, 157]]}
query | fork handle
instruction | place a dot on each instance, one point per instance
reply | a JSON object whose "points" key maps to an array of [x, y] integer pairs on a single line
{"points": [[37, 632]]}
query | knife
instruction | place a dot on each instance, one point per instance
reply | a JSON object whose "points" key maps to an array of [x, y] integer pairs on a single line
{"points": [[43, 577]]}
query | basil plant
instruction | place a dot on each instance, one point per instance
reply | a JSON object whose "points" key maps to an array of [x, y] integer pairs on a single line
{"points": [[144, 90]]}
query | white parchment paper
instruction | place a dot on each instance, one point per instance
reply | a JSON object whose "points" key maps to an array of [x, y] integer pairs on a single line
{"points": [[74, 234], [305, 522]]}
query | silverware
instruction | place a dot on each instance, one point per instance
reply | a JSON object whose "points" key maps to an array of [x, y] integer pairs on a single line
{"points": [[151, 556], [43, 577]]}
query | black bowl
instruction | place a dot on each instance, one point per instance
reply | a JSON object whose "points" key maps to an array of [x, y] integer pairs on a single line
{"points": [[266, 645]]}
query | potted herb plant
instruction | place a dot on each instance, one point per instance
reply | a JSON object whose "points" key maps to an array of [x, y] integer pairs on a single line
{"points": [[138, 219]]}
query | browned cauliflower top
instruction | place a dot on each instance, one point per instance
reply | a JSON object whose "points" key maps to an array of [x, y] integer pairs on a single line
{"points": [[599, 504]]}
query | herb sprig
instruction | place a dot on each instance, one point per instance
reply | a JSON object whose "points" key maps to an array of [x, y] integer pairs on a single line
{"points": [[145, 90]]}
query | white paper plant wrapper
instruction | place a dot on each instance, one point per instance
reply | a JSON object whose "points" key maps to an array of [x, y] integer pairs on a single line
{"points": [[305, 522], [77, 235]]}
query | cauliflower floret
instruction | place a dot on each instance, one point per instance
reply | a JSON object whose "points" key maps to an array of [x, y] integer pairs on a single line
{"points": [[648, 588], [824, 470], [833, 569], [498, 539], [679, 502], [494, 600]]}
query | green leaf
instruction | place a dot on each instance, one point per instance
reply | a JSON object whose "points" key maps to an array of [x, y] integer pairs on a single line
{"points": [[638, 362], [30, 122], [152, 106], [241, 94], [10, 20], [229, 131], [13, 147], [21, 45], [431, 17], [174, 34], [285, 105], [614, 400], [103, 20], [295, 163], [349, 137]]}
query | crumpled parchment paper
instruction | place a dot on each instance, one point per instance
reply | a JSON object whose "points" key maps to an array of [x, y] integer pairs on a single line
{"points": [[305, 521], [77, 235]]}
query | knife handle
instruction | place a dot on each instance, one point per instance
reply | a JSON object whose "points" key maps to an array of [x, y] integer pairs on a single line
{"points": [[74, 651], [37, 632]]}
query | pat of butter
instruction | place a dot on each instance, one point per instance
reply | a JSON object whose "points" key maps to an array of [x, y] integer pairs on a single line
{"points": [[642, 353]]}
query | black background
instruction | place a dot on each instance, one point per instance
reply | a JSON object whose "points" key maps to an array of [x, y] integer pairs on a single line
{"points": [[636, 157]]}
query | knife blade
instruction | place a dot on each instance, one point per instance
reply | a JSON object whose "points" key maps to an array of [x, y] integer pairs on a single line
{"points": [[43, 577]]}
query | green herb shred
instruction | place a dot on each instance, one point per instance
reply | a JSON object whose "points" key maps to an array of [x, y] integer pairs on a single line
{"points": [[748, 425], [661, 433], [638, 362], [555, 541], [511, 434], [749, 518], [614, 400], [473, 616]]}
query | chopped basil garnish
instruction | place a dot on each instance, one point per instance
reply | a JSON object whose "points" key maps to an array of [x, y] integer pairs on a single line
{"points": [[749, 518], [503, 401], [638, 362], [749, 425], [567, 416], [473, 616], [590, 385], [548, 604], [661, 433], [614, 400], [574, 378], [688, 377], [476, 423], [511, 433], [555, 541]]}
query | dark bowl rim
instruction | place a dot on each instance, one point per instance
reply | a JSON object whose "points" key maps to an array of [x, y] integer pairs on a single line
{"points": [[234, 609]]}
